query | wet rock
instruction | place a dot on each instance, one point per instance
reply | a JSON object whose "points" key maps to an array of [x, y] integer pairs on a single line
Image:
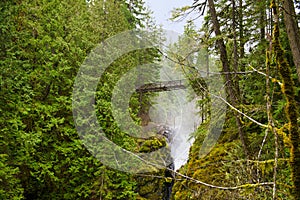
{"points": [[157, 185]]}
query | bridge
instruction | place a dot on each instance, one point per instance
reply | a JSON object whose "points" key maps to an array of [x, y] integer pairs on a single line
{"points": [[163, 86], [168, 86]]}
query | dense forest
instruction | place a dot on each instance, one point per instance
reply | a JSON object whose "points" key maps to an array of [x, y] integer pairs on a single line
{"points": [[53, 148]]}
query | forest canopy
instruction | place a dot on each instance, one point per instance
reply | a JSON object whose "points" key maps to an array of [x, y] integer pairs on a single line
{"points": [[252, 47]]}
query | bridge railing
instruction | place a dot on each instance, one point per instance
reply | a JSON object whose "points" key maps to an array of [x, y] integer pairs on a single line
{"points": [[162, 86]]}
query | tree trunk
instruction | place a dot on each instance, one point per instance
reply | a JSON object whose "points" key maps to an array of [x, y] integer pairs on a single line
{"points": [[292, 32], [291, 106], [262, 19], [235, 51], [226, 69], [241, 34]]}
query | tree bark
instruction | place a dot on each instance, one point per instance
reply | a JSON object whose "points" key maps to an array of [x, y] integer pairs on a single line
{"points": [[241, 34], [226, 68], [235, 51], [262, 19], [291, 106], [292, 32]]}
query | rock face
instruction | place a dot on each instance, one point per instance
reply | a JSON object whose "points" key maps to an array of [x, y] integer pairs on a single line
{"points": [[169, 182], [157, 185], [166, 132]]}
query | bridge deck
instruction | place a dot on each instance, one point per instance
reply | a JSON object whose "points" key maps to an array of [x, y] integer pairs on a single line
{"points": [[162, 86]]}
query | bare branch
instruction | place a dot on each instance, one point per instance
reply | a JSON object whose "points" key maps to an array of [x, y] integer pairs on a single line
{"points": [[268, 76], [240, 112], [196, 7], [271, 123], [217, 96], [221, 187]]}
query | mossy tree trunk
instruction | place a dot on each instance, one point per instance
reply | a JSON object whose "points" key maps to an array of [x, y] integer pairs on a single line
{"points": [[291, 106], [293, 33]]}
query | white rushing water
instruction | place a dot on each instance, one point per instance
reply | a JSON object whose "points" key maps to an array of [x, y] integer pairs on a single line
{"points": [[177, 110]]}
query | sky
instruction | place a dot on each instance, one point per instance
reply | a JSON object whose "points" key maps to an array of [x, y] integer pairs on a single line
{"points": [[162, 12]]}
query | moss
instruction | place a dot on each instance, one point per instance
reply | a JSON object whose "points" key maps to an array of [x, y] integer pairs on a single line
{"points": [[285, 138], [287, 88], [209, 169], [145, 149], [152, 144], [152, 185]]}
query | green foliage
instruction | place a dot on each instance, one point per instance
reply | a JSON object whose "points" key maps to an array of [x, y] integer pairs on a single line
{"points": [[44, 44], [10, 185], [152, 185], [226, 165]]}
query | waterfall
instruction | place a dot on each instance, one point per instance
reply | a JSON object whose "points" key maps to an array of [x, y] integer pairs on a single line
{"points": [[174, 110]]}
